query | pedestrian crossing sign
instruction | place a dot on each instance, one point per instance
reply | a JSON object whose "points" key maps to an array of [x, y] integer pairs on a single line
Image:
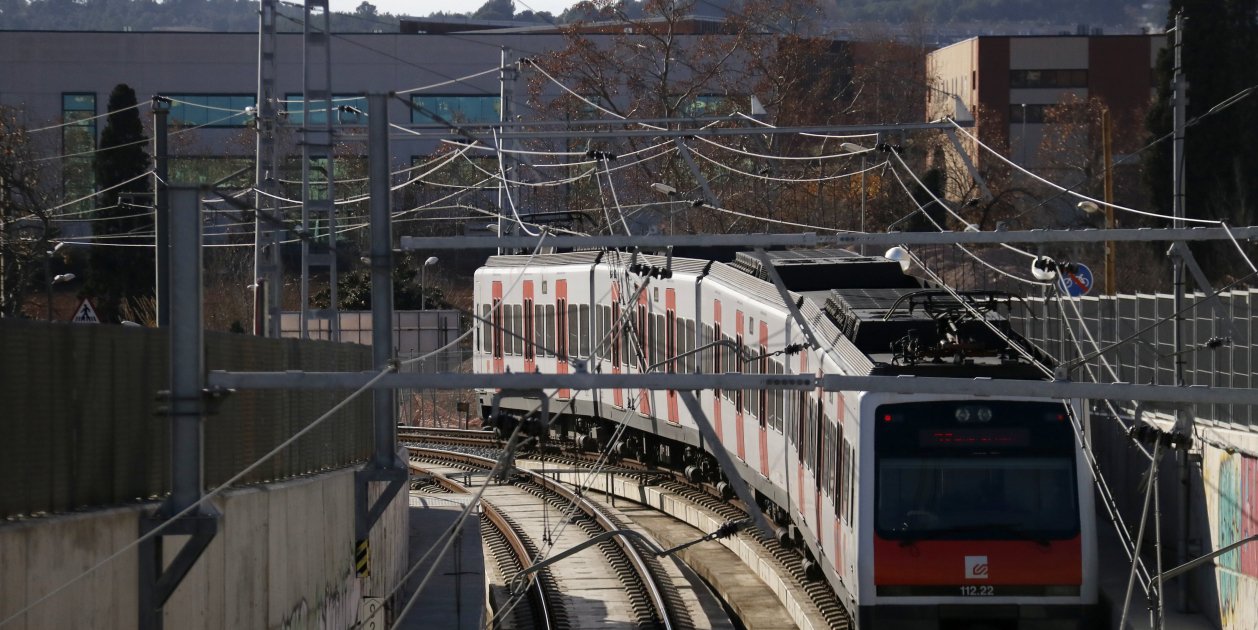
{"points": [[85, 314]]}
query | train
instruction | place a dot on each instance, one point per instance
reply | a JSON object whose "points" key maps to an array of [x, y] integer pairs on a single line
{"points": [[921, 511]]}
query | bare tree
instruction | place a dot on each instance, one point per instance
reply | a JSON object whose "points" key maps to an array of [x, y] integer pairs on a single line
{"points": [[26, 215]]}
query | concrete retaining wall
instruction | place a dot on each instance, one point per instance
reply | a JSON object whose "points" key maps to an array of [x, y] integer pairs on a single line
{"points": [[1230, 485], [283, 558]]}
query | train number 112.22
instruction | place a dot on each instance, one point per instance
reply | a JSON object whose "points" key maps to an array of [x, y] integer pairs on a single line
{"points": [[975, 590]]}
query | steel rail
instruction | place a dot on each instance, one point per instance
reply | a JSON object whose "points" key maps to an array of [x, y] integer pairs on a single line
{"points": [[640, 568], [522, 553]]}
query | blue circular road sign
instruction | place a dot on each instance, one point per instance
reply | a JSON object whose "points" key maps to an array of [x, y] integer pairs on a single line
{"points": [[1077, 282]]}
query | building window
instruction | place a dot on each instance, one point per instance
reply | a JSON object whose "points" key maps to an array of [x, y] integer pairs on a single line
{"points": [[1034, 113], [440, 109], [207, 169], [1048, 79], [78, 139], [711, 105], [210, 110], [342, 104]]}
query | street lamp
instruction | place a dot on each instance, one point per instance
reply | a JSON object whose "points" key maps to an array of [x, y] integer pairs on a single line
{"points": [[59, 278], [432, 260], [854, 148], [667, 191], [49, 280]]}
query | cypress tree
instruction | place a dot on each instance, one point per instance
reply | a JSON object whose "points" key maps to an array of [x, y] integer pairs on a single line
{"points": [[122, 275]]}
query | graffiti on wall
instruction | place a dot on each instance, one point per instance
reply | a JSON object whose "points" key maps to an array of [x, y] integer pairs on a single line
{"points": [[1237, 519]]}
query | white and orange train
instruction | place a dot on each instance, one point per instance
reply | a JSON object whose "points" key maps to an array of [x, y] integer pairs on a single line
{"points": [[922, 511]]}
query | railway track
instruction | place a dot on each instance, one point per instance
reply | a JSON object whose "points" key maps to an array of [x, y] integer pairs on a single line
{"points": [[816, 601], [524, 525]]}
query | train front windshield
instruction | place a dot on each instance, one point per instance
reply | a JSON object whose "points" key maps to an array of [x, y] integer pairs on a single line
{"points": [[965, 470]]}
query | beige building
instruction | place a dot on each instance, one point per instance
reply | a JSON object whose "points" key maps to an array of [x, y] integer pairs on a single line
{"points": [[1011, 85]]}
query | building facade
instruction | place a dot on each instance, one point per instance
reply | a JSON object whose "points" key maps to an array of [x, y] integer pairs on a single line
{"points": [[1011, 86]]}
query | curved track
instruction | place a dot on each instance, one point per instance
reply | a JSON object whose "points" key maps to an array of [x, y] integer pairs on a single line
{"points": [[532, 506], [819, 602]]}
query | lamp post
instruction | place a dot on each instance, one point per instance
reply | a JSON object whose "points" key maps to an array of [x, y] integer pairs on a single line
{"points": [[854, 148], [667, 191], [432, 260], [1024, 134]]}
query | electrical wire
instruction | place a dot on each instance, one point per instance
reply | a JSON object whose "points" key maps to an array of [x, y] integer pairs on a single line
{"points": [[922, 210], [789, 180], [79, 121], [809, 158], [1071, 192], [506, 192]]}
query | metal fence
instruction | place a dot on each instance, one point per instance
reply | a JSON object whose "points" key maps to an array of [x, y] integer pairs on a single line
{"points": [[452, 409], [82, 424], [1137, 333]]}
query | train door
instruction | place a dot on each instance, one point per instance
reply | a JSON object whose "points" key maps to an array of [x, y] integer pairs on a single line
{"points": [[840, 488], [738, 393], [530, 355], [717, 368], [644, 344], [618, 394], [819, 427], [561, 333], [800, 431], [670, 347], [496, 315], [763, 410]]}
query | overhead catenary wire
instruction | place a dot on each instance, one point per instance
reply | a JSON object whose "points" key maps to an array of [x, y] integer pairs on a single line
{"points": [[788, 180]]}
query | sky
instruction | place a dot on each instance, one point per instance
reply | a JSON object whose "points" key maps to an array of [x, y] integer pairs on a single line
{"points": [[427, 7]]}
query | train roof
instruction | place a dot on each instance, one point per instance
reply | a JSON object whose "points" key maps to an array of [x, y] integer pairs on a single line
{"points": [[819, 269], [875, 318]]}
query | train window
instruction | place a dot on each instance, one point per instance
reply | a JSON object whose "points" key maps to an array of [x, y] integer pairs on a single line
{"points": [[641, 351], [810, 435], [486, 336], [539, 330], [840, 499], [832, 458], [517, 320], [762, 404], [626, 339], [549, 344], [692, 358], [574, 330], [508, 331], [601, 343], [658, 337], [780, 399], [835, 453], [614, 336], [584, 332], [705, 356], [851, 481]]}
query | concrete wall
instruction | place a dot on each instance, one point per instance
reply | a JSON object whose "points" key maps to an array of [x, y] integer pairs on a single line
{"points": [[283, 558], [1230, 485]]}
